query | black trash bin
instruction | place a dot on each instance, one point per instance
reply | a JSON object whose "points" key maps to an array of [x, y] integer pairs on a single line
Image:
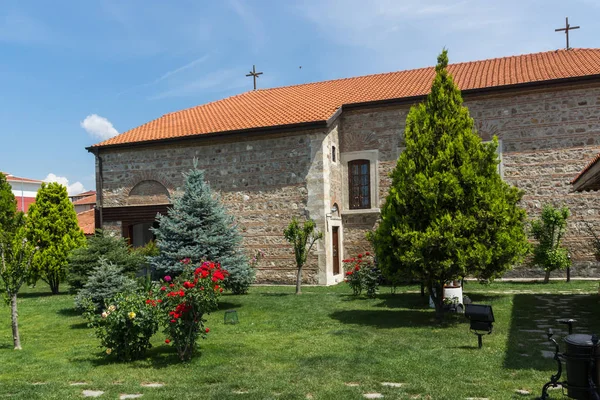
{"points": [[578, 357]]}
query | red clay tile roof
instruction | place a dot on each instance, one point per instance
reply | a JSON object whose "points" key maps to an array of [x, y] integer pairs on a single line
{"points": [[88, 193], [86, 200], [587, 168], [12, 178], [87, 221], [314, 102]]}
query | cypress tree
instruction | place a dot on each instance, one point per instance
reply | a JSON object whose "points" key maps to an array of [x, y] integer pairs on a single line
{"points": [[8, 205], [199, 228], [448, 213], [52, 227]]}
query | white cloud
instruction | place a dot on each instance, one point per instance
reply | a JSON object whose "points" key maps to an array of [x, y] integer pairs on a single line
{"points": [[72, 189], [99, 127]]}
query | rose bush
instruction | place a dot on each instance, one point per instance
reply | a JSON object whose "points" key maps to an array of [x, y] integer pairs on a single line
{"points": [[125, 326], [184, 301], [362, 274]]}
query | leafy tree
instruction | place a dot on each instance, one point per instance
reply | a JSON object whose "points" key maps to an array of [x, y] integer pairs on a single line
{"points": [[549, 230], [52, 226], [448, 213], [302, 239], [199, 228], [8, 204], [113, 249], [16, 255]]}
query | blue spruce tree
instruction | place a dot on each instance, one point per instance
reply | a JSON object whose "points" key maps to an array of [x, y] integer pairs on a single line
{"points": [[199, 228]]}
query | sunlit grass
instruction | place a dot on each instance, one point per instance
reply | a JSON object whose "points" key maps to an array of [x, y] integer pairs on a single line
{"points": [[288, 346]]}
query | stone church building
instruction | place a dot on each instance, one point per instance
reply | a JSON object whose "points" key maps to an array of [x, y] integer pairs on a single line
{"points": [[323, 150]]}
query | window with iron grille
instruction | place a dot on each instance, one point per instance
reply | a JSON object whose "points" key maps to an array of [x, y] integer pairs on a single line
{"points": [[359, 184]]}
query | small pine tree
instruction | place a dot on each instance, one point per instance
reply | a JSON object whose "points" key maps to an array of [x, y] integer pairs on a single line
{"points": [[104, 282], [53, 228], [198, 227], [302, 239], [549, 230], [113, 249], [448, 213]]}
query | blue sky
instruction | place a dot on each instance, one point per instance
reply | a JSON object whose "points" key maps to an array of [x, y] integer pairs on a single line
{"points": [[75, 72]]}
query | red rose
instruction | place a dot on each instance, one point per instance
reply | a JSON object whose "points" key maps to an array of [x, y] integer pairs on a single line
{"points": [[359, 256], [163, 288], [207, 330], [173, 321], [357, 268], [367, 254], [172, 285], [181, 293], [167, 341], [204, 273]]}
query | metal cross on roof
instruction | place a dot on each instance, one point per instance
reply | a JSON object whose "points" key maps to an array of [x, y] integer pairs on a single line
{"points": [[567, 28], [254, 74]]}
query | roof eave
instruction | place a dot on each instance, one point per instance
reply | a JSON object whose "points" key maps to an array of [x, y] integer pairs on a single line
{"points": [[321, 124]]}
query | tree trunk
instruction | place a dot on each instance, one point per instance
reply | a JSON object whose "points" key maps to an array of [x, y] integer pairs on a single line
{"points": [[15, 321], [53, 282], [437, 295], [299, 280], [547, 277]]}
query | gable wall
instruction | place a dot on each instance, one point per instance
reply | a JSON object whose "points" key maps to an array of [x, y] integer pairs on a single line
{"points": [[547, 137]]}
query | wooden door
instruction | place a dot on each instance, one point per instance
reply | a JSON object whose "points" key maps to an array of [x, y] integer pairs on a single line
{"points": [[336, 252]]}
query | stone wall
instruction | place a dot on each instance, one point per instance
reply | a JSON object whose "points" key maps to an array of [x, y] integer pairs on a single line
{"points": [[263, 181], [547, 137]]}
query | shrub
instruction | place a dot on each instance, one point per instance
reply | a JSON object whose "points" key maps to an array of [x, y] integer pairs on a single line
{"points": [[184, 301], [362, 274], [104, 283], [125, 325], [115, 250], [549, 230]]}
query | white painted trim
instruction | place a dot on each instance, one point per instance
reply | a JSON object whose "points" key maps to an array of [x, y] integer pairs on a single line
{"points": [[373, 157], [332, 279]]}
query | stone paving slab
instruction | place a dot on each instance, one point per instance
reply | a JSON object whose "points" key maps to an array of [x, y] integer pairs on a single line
{"points": [[92, 393], [130, 396], [373, 396]]}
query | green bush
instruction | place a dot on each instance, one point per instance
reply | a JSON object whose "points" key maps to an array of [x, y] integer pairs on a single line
{"points": [[104, 283], [115, 250], [184, 301], [362, 274], [125, 326], [549, 231]]}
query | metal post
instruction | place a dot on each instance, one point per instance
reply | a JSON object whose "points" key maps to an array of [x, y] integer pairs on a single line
{"points": [[479, 341]]}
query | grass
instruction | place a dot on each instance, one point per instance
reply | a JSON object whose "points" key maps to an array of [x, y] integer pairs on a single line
{"points": [[290, 347]]}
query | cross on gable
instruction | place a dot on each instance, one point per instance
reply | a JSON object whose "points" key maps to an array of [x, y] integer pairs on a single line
{"points": [[254, 74], [567, 28]]}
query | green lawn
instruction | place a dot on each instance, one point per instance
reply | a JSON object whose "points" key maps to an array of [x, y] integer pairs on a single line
{"points": [[308, 346]]}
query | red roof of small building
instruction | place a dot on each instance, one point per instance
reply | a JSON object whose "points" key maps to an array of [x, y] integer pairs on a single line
{"points": [[87, 221], [12, 178], [316, 102], [86, 200]]}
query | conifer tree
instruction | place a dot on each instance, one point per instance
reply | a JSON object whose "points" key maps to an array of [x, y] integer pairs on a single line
{"points": [[199, 228], [52, 227], [448, 213], [114, 250]]}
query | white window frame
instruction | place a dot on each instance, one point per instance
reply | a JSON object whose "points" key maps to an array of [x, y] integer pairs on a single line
{"points": [[373, 157]]}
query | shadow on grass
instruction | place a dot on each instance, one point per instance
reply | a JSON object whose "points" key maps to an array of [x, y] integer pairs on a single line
{"points": [[81, 325], [224, 305], [69, 312], [277, 294], [157, 357], [35, 295], [530, 317], [386, 319], [404, 300]]}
